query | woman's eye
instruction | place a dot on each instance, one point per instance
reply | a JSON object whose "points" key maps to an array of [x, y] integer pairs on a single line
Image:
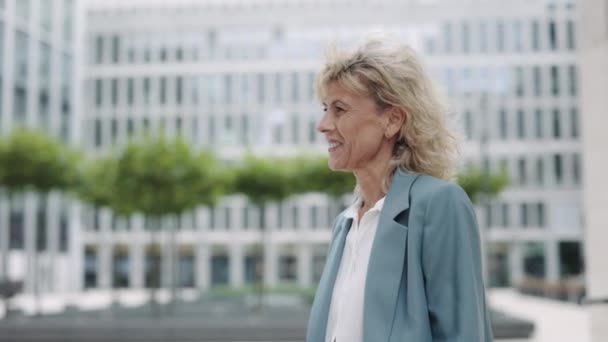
{"points": [[339, 109]]}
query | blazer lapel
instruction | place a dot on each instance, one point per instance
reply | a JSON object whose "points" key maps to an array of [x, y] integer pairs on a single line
{"points": [[386, 262], [317, 323]]}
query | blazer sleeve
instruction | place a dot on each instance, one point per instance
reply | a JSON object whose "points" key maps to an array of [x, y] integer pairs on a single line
{"points": [[451, 262]]}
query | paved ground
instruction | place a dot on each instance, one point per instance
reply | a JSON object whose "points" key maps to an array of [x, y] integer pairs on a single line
{"points": [[208, 320], [554, 321]]}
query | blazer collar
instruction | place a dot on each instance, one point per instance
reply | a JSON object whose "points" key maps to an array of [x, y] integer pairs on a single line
{"points": [[397, 198], [386, 261]]}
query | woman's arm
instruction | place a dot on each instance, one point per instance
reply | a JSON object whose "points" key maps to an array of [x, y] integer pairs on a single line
{"points": [[451, 261]]}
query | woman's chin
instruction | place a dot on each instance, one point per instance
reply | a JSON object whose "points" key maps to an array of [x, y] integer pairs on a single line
{"points": [[337, 166]]}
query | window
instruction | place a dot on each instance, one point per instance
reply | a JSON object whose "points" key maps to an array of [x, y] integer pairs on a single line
{"points": [[519, 81], [295, 219], [468, 125], [146, 90], [523, 207], [260, 86], [245, 129], [98, 93], [130, 127], [500, 36], [506, 214], [521, 128], [115, 49], [556, 124], [163, 90], [558, 168], [114, 90], [295, 129], [99, 49], [521, 171], [576, 168], [534, 259], [502, 122], [120, 267], [540, 214], [90, 267], [537, 77], [571, 35], [98, 132], [465, 34], [483, 37], [130, 90], [574, 123], [114, 129], [211, 130], [447, 37], [278, 88], [178, 126], [538, 123], [552, 35], [573, 79], [228, 82], [178, 89], [535, 36], [540, 171], [294, 88], [310, 86], [517, 38], [554, 80]]}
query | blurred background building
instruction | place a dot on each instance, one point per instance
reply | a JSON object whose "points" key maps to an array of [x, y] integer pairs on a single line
{"points": [[237, 76], [39, 88]]}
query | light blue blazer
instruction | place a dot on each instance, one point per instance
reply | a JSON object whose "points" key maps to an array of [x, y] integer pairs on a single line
{"points": [[424, 280]]}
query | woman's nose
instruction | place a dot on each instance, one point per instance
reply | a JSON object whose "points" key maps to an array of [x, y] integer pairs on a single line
{"points": [[325, 124]]}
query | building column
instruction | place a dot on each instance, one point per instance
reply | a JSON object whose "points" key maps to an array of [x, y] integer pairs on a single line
{"points": [[236, 267], [53, 216], [29, 222], [4, 234], [166, 267], [105, 250], [203, 275], [136, 267], [552, 261], [304, 265], [136, 257], [516, 263], [270, 248], [75, 245]]}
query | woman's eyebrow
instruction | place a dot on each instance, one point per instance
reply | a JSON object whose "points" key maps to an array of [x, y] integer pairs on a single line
{"points": [[336, 101]]}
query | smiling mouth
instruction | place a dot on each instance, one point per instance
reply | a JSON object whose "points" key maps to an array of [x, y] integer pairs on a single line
{"points": [[334, 146]]}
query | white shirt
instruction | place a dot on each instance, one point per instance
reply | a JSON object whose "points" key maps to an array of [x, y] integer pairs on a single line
{"points": [[345, 321]]}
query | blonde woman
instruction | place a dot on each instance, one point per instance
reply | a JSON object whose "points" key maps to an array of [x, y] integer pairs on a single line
{"points": [[404, 263]]}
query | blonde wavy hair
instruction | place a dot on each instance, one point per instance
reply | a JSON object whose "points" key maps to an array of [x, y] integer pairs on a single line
{"points": [[392, 74]]}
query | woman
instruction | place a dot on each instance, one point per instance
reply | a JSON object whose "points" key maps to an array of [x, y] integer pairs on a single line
{"points": [[404, 262]]}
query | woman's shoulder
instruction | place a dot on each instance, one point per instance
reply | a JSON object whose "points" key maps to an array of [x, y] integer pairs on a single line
{"points": [[427, 188]]}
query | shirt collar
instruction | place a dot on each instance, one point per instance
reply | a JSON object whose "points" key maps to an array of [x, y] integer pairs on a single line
{"points": [[352, 211]]}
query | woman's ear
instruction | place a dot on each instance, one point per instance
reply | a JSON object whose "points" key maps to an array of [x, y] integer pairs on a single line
{"points": [[396, 119]]}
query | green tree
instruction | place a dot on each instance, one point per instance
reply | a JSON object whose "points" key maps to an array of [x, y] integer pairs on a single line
{"points": [[477, 183], [164, 178], [34, 163], [312, 174], [263, 181]]}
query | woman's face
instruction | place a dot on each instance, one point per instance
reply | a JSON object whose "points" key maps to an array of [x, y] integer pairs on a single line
{"points": [[354, 128]]}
